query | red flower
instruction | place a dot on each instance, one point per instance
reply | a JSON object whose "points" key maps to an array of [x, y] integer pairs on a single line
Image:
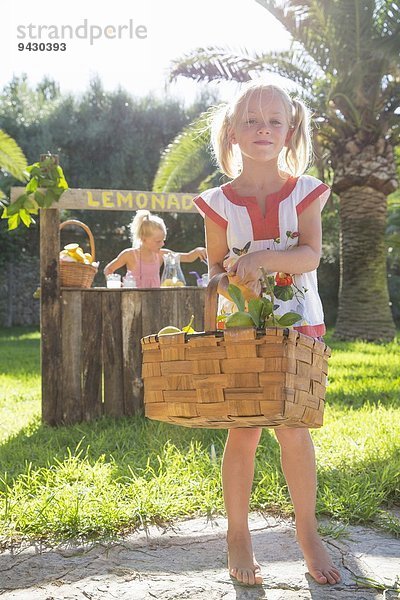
{"points": [[283, 279], [295, 234]]}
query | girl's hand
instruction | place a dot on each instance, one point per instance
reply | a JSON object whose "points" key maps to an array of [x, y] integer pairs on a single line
{"points": [[246, 269], [201, 253]]}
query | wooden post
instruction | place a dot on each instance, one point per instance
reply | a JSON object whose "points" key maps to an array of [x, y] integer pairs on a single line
{"points": [[131, 315], [50, 312], [91, 355]]}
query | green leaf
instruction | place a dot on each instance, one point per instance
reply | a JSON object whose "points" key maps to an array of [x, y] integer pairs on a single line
{"points": [[237, 296], [266, 308], [39, 197], [34, 169], [46, 183], [32, 185], [49, 197], [15, 207], [62, 182], [31, 206], [25, 217], [13, 222], [288, 319], [255, 306], [271, 321], [283, 292]]}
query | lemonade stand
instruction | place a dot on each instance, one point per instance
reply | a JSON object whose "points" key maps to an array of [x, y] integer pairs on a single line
{"points": [[90, 336]]}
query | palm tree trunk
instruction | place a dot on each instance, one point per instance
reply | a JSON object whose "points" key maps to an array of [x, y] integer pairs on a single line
{"points": [[364, 311]]}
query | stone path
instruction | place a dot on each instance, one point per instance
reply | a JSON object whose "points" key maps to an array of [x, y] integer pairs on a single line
{"points": [[188, 562]]}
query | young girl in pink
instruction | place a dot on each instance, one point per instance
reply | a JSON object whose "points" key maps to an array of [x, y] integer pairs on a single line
{"points": [[144, 259], [268, 215]]}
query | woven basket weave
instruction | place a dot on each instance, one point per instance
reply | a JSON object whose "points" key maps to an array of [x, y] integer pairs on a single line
{"points": [[239, 377], [74, 274]]}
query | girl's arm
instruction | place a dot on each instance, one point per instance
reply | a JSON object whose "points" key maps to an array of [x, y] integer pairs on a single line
{"points": [[303, 258], [117, 263], [191, 256]]}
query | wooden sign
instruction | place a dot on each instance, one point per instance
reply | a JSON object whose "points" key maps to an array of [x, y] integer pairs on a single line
{"points": [[84, 199]]}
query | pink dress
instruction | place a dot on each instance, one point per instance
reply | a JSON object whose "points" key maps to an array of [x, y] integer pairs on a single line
{"points": [[147, 274], [247, 230]]}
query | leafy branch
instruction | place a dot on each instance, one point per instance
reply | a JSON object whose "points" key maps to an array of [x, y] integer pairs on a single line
{"points": [[46, 185], [261, 310]]}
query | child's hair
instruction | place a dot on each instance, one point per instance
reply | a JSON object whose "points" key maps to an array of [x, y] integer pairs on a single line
{"points": [[298, 152], [143, 225]]}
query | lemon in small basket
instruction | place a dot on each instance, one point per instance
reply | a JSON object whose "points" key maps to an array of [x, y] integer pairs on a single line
{"points": [[80, 255]]}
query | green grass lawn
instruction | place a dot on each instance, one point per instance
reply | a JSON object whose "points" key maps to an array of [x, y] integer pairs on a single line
{"points": [[109, 476]]}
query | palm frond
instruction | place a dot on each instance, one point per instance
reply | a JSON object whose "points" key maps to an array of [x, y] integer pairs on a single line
{"points": [[213, 63], [308, 25], [387, 25], [332, 31], [12, 159], [221, 64], [186, 158]]}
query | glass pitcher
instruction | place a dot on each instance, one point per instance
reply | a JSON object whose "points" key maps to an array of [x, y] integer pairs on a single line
{"points": [[172, 274]]}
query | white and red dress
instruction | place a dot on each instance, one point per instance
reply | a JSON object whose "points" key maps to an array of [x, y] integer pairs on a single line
{"points": [[249, 231]]}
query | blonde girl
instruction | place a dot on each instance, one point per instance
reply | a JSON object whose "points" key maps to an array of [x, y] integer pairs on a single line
{"points": [[268, 215], [144, 259]]}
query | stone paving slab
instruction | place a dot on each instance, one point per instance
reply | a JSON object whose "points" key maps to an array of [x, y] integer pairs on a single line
{"points": [[189, 562]]}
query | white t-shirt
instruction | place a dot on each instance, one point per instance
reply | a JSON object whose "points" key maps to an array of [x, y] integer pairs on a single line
{"points": [[243, 222]]}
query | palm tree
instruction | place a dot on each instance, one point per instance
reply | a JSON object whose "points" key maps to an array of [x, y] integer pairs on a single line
{"points": [[12, 159], [345, 56]]}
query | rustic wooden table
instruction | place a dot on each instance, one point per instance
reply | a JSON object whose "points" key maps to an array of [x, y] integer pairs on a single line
{"points": [[101, 331]]}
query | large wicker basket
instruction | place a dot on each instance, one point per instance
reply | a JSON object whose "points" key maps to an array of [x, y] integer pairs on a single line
{"points": [[74, 274], [238, 377]]}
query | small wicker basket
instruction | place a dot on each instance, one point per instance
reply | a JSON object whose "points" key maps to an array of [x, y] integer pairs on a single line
{"points": [[239, 377], [74, 274]]}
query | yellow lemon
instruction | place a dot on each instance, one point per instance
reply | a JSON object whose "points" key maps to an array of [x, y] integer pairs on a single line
{"points": [[167, 283], [88, 257], [169, 329], [80, 255]]}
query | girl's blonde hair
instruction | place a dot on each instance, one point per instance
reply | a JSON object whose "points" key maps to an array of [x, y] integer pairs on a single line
{"points": [[143, 225], [295, 156]]}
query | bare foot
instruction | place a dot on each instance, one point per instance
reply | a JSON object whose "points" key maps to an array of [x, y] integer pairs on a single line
{"points": [[242, 563], [318, 561]]}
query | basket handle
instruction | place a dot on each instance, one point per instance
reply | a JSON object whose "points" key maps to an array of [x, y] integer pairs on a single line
{"points": [[85, 228], [211, 301]]}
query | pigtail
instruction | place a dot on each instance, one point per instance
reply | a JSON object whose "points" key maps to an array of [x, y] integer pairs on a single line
{"points": [[298, 153], [136, 227], [221, 141]]}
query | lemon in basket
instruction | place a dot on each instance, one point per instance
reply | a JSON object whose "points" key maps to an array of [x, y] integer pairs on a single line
{"points": [[169, 329], [80, 255]]}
